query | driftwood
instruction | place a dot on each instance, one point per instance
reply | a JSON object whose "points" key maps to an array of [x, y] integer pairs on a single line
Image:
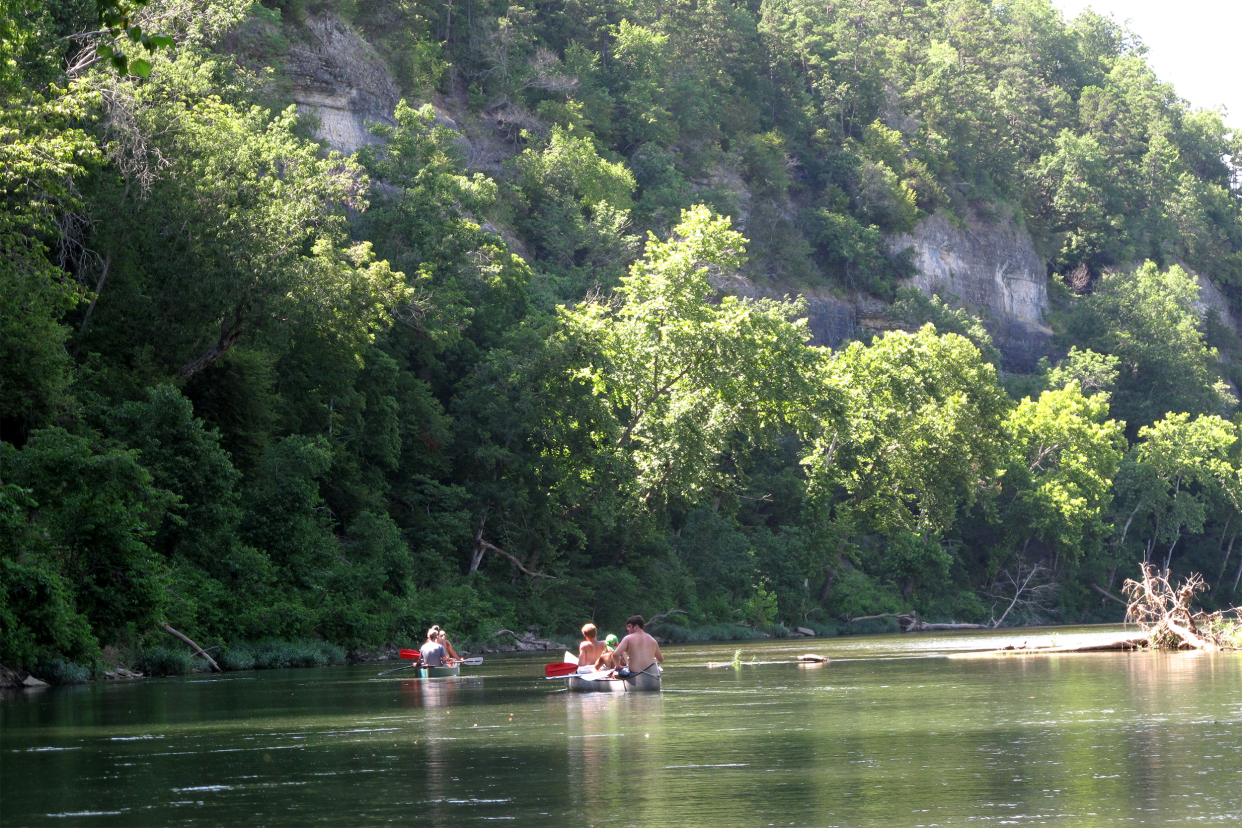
{"points": [[653, 619], [215, 668], [1165, 612], [528, 641], [1133, 642], [910, 622]]}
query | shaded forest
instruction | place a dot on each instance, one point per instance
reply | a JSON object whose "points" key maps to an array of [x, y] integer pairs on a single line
{"points": [[256, 389]]}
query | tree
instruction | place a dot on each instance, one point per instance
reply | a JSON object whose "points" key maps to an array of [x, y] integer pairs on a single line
{"points": [[921, 432], [684, 374], [1174, 472], [1147, 319], [577, 211], [918, 440], [41, 157], [93, 509], [1057, 484], [242, 236]]}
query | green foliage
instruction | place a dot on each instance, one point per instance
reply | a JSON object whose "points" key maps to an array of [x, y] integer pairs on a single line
{"points": [[922, 427], [915, 309], [274, 654], [41, 155], [1094, 373], [1146, 319], [1064, 455], [684, 375], [162, 661], [704, 632], [59, 672], [576, 211], [258, 244], [267, 393], [94, 506]]}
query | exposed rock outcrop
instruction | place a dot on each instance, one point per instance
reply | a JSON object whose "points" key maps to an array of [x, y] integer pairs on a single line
{"points": [[993, 270], [1211, 299], [337, 76], [990, 269]]}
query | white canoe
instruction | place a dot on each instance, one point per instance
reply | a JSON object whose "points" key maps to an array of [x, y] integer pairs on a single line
{"points": [[600, 683]]}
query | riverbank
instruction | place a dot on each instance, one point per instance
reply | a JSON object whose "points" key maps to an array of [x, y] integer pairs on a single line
{"points": [[120, 664]]}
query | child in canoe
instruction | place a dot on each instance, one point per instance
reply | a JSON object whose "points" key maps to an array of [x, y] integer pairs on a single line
{"points": [[590, 648], [608, 659]]}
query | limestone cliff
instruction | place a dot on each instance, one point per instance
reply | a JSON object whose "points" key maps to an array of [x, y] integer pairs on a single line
{"points": [[992, 269], [336, 76]]}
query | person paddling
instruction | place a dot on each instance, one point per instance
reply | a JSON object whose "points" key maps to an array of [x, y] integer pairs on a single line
{"points": [[591, 648], [639, 650]]}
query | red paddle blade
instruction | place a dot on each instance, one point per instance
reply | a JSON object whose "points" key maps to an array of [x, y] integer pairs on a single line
{"points": [[415, 654], [554, 670]]}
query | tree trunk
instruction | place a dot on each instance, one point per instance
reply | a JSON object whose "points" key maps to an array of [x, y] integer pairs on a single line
{"points": [[1108, 594], [228, 338], [215, 668], [99, 286], [476, 557]]}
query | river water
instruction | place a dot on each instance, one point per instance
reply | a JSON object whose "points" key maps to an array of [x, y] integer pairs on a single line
{"points": [[890, 733]]}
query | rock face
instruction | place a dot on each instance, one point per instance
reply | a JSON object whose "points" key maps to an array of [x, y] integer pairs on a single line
{"points": [[337, 77], [1211, 299], [992, 270]]}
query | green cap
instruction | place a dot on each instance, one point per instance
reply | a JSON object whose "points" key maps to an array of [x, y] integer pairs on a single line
{"points": [[611, 640]]}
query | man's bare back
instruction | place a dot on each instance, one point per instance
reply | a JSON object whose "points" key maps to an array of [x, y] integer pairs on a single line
{"points": [[639, 649]]}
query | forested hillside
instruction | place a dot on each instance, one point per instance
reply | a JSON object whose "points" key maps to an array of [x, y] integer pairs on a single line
{"points": [[486, 371]]}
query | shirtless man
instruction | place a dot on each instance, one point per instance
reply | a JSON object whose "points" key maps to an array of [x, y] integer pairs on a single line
{"points": [[639, 650], [590, 649]]}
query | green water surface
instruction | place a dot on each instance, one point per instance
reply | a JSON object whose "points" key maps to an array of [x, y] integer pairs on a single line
{"points": [[891, 733]]}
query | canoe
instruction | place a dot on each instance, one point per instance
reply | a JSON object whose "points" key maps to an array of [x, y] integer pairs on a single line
{"points": [[599, 683], [439, 672]]}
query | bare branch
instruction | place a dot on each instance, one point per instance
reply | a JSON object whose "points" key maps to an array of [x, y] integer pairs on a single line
{"points": [[494, 548]]}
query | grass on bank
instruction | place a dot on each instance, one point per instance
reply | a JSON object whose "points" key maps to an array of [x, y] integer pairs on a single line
{"points": [[274, 654]]}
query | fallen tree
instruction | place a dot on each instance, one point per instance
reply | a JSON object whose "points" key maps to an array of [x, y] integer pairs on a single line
{"points": [[910, 622], [1165, 613]]}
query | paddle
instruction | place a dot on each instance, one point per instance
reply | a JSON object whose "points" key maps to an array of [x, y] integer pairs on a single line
{"points": [[559, 670], [406, 667], [474, 661]]}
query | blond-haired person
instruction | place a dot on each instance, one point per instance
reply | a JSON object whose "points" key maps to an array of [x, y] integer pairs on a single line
{"points": [[590, 648]]}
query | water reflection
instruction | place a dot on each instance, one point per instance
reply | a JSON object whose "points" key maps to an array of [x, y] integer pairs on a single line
{"points": [[1093, 739]]}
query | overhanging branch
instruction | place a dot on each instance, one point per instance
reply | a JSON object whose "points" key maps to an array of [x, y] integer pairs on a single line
{"points": [[494, 548]]}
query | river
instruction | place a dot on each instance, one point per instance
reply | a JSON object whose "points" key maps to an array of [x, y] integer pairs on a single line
{"points": [[890, 733]]}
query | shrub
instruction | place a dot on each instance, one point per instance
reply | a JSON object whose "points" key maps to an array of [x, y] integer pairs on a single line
{"points": [[274, 655], [240, 657], [161, 661], [675, 634], [62, 672]]}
